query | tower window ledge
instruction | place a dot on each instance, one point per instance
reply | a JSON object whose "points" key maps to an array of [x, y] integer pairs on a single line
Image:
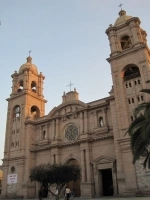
{"points": [[115, 53], [42, 142], [102, 129], [20, 90], [33, 90]]}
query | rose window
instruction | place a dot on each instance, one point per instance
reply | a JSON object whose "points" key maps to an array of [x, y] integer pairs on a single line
{"points": [[71, 132]]}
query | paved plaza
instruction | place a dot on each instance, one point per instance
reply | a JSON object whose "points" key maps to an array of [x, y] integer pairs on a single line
{"points": [[100, 198]]}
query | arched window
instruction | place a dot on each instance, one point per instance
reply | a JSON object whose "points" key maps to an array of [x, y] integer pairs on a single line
{"points": [[33, 86], [13, 169], [16, 112], [101, 123], [35, 112], [129, 101], [125, 42], [130, 72], [142, 98], [20, 86]]}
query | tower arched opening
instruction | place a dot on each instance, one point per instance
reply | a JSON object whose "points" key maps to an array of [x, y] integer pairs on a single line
{"points": [[35, 112], [20, 87], [33, 86], [130, 71], [125, 42], [16, 111]]}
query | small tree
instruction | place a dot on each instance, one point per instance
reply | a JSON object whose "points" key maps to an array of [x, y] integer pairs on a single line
{"points": [[139, 130], [59, 175]]}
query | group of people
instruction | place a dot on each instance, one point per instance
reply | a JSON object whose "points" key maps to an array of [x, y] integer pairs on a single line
{"points": [[68, 194]]}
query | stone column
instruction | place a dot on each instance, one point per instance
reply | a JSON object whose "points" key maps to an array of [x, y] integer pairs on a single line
{"points": [[82, 166], [20, 178], [47, 131], [95, 118], [25, 80], [4, 181], [112, 41], [14, 85], [54, 129], [105, 116], [41, 137], [88, 165], [40, 84], [57, 129], [85, 121], [37, 189], [133, 28], [81, 122]]}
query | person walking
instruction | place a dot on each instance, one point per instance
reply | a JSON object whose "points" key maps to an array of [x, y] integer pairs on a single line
{"points": [[67, 193]]}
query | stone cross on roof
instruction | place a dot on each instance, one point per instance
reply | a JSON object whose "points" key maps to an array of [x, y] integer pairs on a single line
{"points": [[120, 5], [70, 85]]}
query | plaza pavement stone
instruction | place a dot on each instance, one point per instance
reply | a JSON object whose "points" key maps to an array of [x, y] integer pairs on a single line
{"points": [[98, 198]]}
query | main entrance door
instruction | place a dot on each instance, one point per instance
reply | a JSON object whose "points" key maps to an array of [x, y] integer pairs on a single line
{"points": [[107, 182], [74, 185]]}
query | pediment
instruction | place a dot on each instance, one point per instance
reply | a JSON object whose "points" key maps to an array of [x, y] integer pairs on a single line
{"points": [[67, 107], [102, 160]]}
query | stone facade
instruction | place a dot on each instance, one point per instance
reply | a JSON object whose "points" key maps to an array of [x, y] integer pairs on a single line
{"points": [[1, 176], [92, 134]]}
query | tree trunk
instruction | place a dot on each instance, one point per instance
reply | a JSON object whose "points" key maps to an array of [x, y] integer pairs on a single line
{"points": [[57, 197]]}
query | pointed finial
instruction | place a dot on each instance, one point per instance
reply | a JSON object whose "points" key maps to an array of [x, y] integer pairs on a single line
{"points": [[74, 89]]}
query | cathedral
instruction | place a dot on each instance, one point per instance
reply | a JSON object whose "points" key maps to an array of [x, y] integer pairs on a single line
{"points": [[91, 135]]}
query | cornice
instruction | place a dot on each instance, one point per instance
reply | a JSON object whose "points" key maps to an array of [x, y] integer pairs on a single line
{"points": [[14, 158], [88, 108], [89, 139], [112, 28], [128, 51], [25, 92]]}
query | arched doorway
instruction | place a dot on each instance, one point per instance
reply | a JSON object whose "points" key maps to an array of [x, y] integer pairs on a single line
{"points": [[74, 185]]}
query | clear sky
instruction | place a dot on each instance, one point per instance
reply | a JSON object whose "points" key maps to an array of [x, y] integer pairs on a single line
{"points": [[68, 43]]}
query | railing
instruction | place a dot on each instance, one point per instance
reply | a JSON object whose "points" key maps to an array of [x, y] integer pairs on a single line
{"points": [[135, 75]]}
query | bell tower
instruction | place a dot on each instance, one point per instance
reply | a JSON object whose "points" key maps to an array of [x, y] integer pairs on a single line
{"points": [[130, 67], [25, 105]]}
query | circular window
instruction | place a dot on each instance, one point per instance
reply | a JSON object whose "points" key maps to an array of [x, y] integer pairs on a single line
{"points": [[71, 132], [13, 169]]}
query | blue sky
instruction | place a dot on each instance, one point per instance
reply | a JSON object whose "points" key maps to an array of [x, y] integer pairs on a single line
{"points": [[68, 43]]}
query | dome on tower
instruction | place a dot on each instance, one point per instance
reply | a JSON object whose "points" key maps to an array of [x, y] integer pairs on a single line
{"points": [[28, 65], [122, 18]]}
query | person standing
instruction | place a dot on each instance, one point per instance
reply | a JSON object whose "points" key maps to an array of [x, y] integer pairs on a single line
{"points": [[72, 194], [67, 193]]}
